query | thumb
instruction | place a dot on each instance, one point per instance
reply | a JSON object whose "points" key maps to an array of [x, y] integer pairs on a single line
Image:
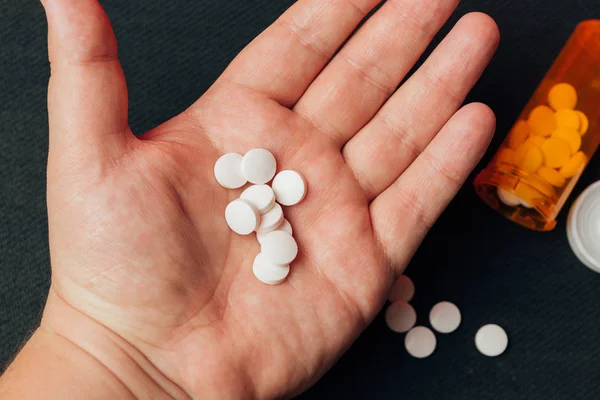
{"points": [[87, 94]]}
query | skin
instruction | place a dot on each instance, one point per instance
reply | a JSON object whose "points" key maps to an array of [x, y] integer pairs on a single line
{"points": [[152, 295]]}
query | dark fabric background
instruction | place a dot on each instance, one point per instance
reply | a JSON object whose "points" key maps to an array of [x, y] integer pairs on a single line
{"points": [[528, 282]]}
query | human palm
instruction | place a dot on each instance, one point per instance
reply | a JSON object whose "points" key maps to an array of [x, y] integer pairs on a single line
{"points": [[139, 243]]}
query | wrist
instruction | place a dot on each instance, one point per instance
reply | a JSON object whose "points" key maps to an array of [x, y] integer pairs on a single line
{"points": [[51, 367], [72, 356]]}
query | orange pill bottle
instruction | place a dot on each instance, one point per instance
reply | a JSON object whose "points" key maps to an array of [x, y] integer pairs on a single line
{"points": [[540, 161]]}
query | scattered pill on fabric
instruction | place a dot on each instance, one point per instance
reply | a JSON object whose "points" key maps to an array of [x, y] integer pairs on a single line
{"points": [[491, 340], [420, 342], [402, 290], [400, 316], [445, 317]]}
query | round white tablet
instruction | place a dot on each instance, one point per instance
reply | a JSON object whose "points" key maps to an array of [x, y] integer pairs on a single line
{"points": [[420, 342], [262, 196], [508, 198], [284, 226], [403, 289], [242, 217], [400, 317], [259, 166], [267, 272], [280, 247], [491, 340], [445, 317], [289, 187], [525, 204], [228, 171], [271, 219]]}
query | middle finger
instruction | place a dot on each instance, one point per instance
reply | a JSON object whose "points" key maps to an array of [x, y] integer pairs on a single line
{"points": [[368, 69], [381, 151]]}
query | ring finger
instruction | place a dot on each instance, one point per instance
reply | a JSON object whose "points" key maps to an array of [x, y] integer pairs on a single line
{"points": [[369, 68], [406, 124]]}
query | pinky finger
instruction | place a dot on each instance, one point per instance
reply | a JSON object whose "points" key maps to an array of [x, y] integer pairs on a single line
{"points": [[404, 212]]}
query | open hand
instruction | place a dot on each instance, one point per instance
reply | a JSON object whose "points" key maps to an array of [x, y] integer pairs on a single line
{"points": [[141, 254]]}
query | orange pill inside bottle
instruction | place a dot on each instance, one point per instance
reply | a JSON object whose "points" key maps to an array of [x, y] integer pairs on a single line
{"points": [[565, 104]]}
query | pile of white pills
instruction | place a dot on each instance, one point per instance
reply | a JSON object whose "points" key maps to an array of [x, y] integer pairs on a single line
{"points": [[445, 317], [258, 209]]}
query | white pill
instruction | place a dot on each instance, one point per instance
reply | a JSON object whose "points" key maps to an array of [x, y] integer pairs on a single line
{"points": [[525, 204], [289, 187], [259, 166], [267, 272], [280, 247], [491, 340], [400, 317], [242, 217], [262, 196], [420, 342], [403, 289], [284, 226], [445, 317], [508, 198], [228, 171], [270, 220]]}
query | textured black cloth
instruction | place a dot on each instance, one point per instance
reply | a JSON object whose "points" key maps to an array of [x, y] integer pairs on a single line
{"points": [[496, 271]]}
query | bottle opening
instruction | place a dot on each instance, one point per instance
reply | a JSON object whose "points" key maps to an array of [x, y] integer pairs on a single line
{"points": [[519, 196]]}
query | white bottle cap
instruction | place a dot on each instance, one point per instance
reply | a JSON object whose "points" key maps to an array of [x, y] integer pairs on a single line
{"points": [[583, 227]]}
